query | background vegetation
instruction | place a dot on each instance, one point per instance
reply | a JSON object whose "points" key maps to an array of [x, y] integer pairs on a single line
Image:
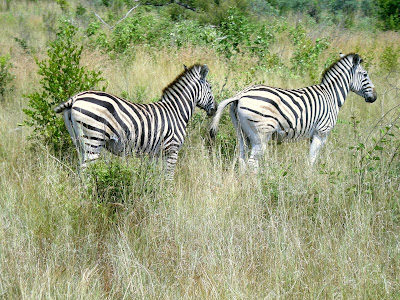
{"points": [[289, 232]]}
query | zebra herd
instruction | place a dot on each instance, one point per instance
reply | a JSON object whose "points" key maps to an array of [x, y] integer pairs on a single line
{"points": [[97, 120]]}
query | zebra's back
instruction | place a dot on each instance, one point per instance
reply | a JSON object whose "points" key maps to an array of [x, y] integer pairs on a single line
{"points": [[289, 113], [127, 126]]}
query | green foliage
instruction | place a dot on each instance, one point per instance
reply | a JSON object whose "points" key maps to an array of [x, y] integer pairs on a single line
{"points": [[62, 77], [80, 10], [151, 31], [389, 13], [92, 29], [111, 181], [135, 185], [346, 6], [236, 30], [23, 44], [390, 59], [6, 77], [264, 38], [64, 5], [292, 5], [306, 54]]}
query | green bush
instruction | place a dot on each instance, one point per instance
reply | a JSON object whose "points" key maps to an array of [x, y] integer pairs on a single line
{"points": [[390, 59], [62, 77], [134, 184], [236, 30], [263, 39], [305, 59], [6, 77], [388, 12]]}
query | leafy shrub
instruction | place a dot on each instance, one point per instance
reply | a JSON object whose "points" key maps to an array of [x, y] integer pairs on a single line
{"points": [[191, 32], [62, 77], [92, 29], [111, 181], [6, 77], [306, 54], [389, 13], [390, 59], [236, 30], [263, 39], [140, 29], [136, 185], [127, 33]]}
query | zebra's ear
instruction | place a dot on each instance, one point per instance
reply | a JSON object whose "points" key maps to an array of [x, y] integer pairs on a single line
{"points": [[341, 55], [203, 72], [184, 66], [357, 59]]}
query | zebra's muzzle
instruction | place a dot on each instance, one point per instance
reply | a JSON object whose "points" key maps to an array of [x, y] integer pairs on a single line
{"points": [[211, 112], [371, 99]]}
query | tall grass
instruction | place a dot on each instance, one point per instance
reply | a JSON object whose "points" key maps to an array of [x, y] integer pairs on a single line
{"points": [[290, 232]]}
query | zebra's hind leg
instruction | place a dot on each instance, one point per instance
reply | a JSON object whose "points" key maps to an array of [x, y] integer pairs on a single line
{"points": [[257, 151], [68, 124], [88, 144], [243, 148]]}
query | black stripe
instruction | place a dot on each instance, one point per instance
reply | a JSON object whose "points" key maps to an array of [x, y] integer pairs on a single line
{"points": [[94, 129], [94, 138], [276, 93], [273, 103], [97, 118], [261, 114], [110, 107]]}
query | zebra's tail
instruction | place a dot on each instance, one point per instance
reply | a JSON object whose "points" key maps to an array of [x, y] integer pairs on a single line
{"points": [[64, 105], [218, 114]]}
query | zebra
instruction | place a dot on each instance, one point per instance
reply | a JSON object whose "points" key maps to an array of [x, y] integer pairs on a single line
{"points": [[97, 120], [260, 113]]}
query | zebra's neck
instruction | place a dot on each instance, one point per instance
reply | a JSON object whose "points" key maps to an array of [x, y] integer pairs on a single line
{"points": [[337, 80], [182, 98]]}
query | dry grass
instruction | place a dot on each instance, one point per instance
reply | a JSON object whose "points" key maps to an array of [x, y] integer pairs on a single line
{"points": [[291, 232]]}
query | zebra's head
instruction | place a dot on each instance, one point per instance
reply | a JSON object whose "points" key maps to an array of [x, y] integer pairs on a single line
{"points": [[361, 83], [205, 97]]}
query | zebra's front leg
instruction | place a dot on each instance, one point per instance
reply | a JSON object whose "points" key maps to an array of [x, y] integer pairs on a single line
{"points": [[318, 140]]}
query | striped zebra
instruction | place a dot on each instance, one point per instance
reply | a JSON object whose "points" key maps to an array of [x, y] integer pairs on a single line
{"points": [[97, 120], [260, 113]]}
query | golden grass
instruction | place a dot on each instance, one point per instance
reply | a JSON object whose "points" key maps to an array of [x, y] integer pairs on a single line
{"points": [[290, 232]]}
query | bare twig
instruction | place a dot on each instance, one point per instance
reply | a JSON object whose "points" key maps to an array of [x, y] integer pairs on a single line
{"points": [[126, 15], [225, 82], [102, 21], [146, 3]]}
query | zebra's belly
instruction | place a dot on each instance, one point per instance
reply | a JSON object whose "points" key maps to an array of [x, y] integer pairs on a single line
{"points": [[289, 136], [123, 145]]}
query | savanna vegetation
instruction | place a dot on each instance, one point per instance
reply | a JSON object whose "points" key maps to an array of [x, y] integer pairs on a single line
{"points": [[120, 231]]}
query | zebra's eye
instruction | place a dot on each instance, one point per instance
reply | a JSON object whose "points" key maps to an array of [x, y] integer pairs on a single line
{"points": [[365, 75]]}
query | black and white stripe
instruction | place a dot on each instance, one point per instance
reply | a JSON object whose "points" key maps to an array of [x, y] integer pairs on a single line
{"points": [[260, 113], [97, 119]]}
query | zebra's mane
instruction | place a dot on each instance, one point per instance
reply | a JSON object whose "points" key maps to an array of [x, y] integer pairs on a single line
{"points": [[334, 63], [178, 78]]}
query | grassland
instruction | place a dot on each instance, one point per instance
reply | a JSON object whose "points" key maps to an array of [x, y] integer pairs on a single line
{"points": [[290, 232]]}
